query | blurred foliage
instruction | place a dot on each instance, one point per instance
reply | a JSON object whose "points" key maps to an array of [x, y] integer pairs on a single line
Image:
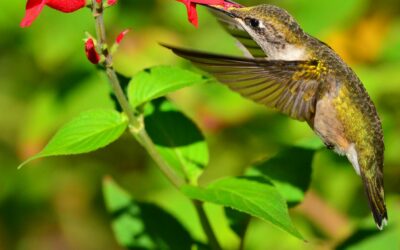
{"points": [[137, 224], [56, 203]]}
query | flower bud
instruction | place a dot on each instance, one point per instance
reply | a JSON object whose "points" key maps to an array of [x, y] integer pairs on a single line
{"points": [[111, 2], [91, 53], [121, 36]]}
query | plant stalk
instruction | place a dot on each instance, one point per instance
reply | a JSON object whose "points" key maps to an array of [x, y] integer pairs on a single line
{"points": [[148, 144], [136, 121], [205, 223], [243, 235], [108, 64]]}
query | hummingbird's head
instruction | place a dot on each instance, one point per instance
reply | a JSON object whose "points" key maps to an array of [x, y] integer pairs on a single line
{"points": [[274, 30], [270, 22]]}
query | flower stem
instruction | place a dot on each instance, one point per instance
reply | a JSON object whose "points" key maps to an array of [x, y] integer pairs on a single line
{"points": [[136, 121], [108, 64], [243, 235], [148, 144], [205, 223]]}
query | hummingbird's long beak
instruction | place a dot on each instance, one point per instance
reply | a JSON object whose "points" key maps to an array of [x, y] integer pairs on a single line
{"points": [[220, 9]]}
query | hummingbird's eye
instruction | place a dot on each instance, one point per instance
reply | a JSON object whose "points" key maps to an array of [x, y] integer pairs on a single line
{"points": [[253, 22]]}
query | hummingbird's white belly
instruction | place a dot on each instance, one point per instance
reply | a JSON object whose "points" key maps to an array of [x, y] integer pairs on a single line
{"points": [[330, 129]]}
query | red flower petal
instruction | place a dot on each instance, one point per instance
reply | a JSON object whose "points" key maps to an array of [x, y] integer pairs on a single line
{"points": [[91, 52], [32, 11], [66, 5], [191, 7], [191, 11], [192, 14], [121, 36]]}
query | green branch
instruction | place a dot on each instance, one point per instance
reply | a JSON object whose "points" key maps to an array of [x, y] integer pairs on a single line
{"points": [[135, 122]]}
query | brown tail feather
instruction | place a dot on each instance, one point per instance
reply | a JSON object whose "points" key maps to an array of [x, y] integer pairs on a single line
{"points": [[374, 189]]}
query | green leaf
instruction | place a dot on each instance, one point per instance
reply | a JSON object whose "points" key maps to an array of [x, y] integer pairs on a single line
{"points": [[88, 132], [177, 139], [139, 225], [155, 82], [289, 171], [255, 196]]}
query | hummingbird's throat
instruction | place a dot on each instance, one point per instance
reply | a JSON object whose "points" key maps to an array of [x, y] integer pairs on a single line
{"points": [[286, 52]]}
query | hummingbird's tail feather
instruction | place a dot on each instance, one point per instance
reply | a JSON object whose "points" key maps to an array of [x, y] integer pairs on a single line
{"points": [[374, 189]]}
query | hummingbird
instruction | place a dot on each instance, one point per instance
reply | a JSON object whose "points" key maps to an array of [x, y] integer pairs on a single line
{"points": [[291, 71]]}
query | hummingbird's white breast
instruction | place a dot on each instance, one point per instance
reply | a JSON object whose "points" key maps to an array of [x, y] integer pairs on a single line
{"points": [[288, 53]]}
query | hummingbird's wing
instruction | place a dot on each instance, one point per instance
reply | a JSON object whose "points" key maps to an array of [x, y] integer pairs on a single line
{"points": [[246, 43], [289, 86]]}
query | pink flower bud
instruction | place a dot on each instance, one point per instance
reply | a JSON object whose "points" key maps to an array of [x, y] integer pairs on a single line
{"points": [[91, 52], [111, 2], [121, 36]]}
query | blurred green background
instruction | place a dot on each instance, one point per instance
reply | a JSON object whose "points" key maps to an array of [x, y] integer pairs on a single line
{"points": [[45, 80]]}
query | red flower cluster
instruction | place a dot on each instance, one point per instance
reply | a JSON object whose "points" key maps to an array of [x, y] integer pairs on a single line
{"points": [[90, 47], [34, 7], [191, 7]]}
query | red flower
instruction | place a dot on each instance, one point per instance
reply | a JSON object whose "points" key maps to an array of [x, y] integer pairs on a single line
{"points": [[91, 53], [191, 7], [34, 7]]}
